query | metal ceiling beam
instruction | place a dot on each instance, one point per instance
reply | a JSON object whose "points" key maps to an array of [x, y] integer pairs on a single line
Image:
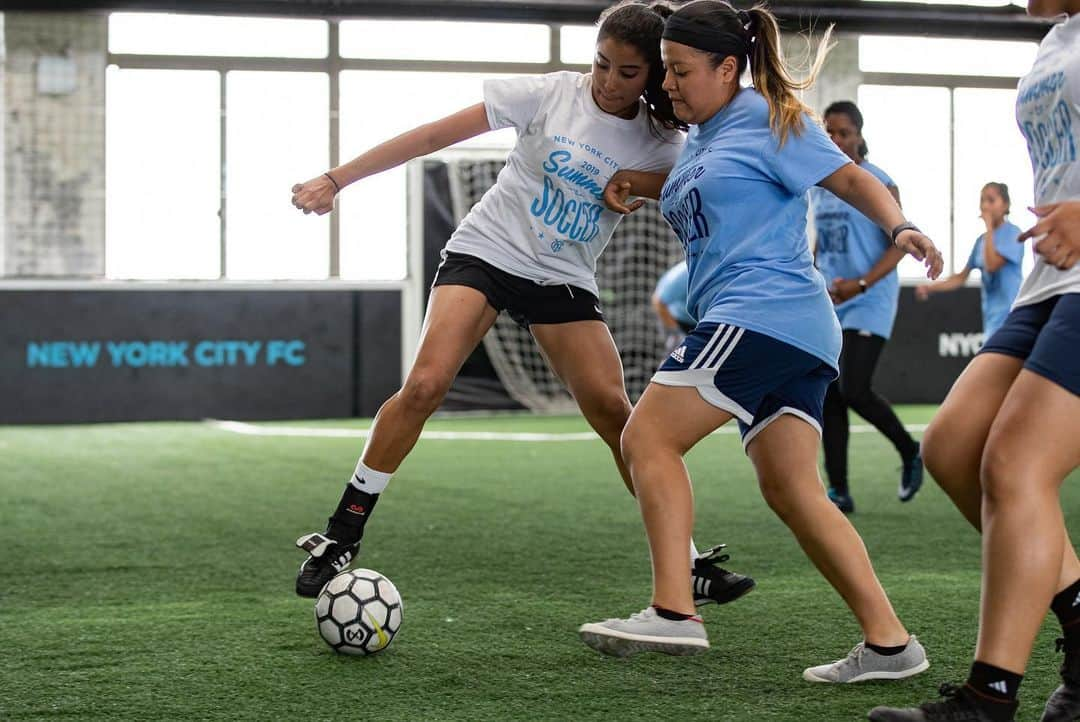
{"points": [[852, 16]]}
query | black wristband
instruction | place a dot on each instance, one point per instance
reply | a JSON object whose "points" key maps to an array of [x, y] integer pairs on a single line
{"points": [[905, 226], [337, 188]]}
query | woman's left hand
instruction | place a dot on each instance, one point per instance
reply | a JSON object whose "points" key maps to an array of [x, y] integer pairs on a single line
{"points": [[921, 248], [1059, 228]]}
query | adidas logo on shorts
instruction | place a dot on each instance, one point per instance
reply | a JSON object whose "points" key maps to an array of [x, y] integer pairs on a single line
{"points": [[679, 354]]}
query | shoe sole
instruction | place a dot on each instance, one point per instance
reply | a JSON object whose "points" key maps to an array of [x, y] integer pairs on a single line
{"points": [[737, 590], [809, 676], [623, 644]]}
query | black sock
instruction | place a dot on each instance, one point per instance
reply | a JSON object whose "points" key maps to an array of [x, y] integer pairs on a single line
{"points": [[1066, 606], [668, 614], [993, 684], [887, 651], [347, 524]]}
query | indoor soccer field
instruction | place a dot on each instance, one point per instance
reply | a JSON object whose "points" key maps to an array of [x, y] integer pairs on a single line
{"points": [[148, 572]]}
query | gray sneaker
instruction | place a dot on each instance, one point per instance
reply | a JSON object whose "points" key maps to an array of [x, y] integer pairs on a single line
{"points": [[646, 631], [863, 664]]}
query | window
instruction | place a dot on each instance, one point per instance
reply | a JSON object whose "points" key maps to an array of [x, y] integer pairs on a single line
{"points": [[166, 34], [945, 56], [373, 213], [444, 40], [163, 174], [577, 44], [989, 147], [277, 130]]}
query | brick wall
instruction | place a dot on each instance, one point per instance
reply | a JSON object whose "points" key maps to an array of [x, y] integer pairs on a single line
{"points": [[54, 147]]}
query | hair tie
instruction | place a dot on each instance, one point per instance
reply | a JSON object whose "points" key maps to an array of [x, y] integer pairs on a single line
{"points": [[744, 18]]}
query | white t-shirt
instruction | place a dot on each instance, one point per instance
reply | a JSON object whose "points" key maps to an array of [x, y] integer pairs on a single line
{"points": [[1048, 112], [544, 219]]}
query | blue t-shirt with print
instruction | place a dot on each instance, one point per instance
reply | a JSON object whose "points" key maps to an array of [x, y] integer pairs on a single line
{"points": [[737, 199], [848, 245], [672, 288], [999, 288]]}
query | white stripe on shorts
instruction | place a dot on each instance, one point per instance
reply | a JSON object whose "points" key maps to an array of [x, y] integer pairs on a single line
{"points": [[715, 363], [707, 349]]}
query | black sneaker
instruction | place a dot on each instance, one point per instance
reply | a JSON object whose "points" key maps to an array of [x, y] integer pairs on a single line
{"points": [[911, 476], [958, 705], [843, 502], [714, 584], [1064, 703], [326, 559]]}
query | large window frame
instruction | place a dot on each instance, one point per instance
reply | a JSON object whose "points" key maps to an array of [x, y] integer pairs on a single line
{"points": [[952, 83], [332, 65]]}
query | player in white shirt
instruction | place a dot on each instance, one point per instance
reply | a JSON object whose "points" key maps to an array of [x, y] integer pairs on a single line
{"points": [[529, 246], [1009, 432]]}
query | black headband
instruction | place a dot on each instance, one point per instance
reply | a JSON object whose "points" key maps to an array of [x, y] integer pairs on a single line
{"points": [[689, 31]]}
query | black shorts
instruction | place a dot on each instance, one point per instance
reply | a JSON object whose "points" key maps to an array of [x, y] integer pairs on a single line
{"points": [[527, 302], [1046, 335]]}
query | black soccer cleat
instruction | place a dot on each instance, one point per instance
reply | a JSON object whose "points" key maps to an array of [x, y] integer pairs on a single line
{"points": [[1064, 703], [715, 585], [959, 705], [911, 478], [326, 559], [843, 502]]}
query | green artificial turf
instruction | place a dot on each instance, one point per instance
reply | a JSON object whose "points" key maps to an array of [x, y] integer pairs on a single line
{"points": [[148, 569]]}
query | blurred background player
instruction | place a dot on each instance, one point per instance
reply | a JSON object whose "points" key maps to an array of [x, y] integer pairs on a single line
{"points": [[1007, 435], [669, 302], [767, 342], [997, 255], [858, 261], [528, 247]]}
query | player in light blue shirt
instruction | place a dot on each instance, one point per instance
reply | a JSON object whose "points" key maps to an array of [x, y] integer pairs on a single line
{"points": [[858, 261], [767, 343], [997, 255], [669, 299]]}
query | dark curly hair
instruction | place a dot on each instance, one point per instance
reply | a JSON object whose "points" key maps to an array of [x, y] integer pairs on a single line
{"points": [[641, 24]]}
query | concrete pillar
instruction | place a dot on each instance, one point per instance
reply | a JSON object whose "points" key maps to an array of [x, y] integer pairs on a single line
{"points": [[54, 144]]}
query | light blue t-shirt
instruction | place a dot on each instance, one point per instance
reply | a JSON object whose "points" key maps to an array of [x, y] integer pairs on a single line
{"points": [[848, 245], [738, 202], [672, 288], [999, 289]]}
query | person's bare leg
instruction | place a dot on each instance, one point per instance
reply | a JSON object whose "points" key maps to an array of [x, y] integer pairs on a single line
{"points": [[953, 444], [666, 422], [1032, 446], [785, 458], [583, 355], [457, 319]]}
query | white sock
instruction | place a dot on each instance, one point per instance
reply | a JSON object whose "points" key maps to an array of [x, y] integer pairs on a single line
{"points": [[369, 480], [693, 552]]}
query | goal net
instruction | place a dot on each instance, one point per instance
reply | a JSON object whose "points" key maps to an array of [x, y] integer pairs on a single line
{"points": [[642, 248]]}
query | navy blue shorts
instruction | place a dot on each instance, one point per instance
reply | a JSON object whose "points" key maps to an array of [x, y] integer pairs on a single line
{"points": [[753, 376], [1047, 336]]}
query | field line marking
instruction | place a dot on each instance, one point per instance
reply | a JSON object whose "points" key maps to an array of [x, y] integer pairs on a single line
{"points": [[246, 429]]}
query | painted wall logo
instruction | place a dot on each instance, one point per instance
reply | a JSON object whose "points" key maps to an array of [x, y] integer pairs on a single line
{"points": [[962, 345], [165, 354]]}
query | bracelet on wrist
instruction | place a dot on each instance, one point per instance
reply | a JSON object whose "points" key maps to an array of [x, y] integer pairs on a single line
{"points": [[337, 188], [905, 226]]}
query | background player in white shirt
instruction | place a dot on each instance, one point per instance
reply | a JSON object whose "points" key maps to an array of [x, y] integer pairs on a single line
{"points": [[1009, 432], [529, 247]]}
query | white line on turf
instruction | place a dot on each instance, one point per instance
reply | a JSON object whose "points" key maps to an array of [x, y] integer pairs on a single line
{"points": [[239, 427]]}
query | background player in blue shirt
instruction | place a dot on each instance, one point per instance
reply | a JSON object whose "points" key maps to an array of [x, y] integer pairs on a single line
{"points": [[997, 256], [767, 343], [669, 300], [858, 261]]}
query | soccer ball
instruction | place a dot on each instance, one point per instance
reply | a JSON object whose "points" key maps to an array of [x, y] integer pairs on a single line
{"points": [[358, 612]]}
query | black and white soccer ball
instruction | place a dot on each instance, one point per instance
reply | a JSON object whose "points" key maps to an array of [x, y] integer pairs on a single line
{"points": [[358, 612]]}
